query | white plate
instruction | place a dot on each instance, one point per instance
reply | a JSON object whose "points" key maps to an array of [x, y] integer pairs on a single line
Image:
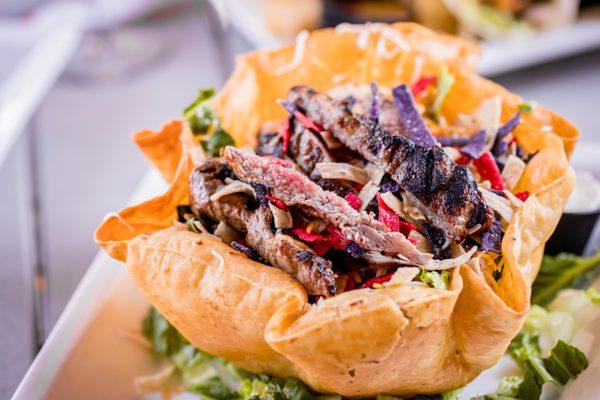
{"points": [[87, 354], [498, 57]]}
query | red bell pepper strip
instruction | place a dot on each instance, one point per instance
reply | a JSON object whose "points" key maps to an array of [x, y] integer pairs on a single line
{"points": [[307, 122], [353, 200], [422, 84], [277, 203], [524, 195], [285, 135], [309, 237], [387, 215], [488, 169], [406, 227], [379, 279], [463, 160], [320, 248]]}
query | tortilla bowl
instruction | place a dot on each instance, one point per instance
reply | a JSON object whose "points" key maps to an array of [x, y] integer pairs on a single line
{"points": [[400, 339]]}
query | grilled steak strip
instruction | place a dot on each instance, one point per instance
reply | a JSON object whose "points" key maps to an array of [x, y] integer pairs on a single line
{"points": [[296, 190], [281, 251], [444, 191], [306, 149]]}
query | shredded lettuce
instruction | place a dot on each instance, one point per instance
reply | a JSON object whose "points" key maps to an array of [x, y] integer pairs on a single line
{"points": [[435, 279], [445, 82], [560, 272], [527, 107], [203, 121]]}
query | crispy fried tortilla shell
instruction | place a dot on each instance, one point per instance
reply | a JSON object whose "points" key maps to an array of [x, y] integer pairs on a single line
{"points": [[401, 339]]}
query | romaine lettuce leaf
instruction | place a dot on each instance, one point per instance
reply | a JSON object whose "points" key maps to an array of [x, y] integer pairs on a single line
{"points": [[560, 272]]}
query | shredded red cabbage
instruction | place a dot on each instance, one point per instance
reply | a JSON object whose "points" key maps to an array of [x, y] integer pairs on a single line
{"points": [[475, 146], [261, 192], [289, 106], [492, 238], [389, 186], [500, 146], [374, 113], [354, 250], [453, 142], [411, 120]]}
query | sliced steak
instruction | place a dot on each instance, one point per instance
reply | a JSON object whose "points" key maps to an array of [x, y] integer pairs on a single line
{"points": [[296, 190], [306, 149], [445, 192], [281, 251]]}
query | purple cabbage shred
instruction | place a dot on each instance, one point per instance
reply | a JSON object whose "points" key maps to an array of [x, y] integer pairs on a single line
{"points": [[500, 147], [374, 113], [509, 126], [474, 148], [389, 186], [261, 192], [411, 120], [492, 238], [453, 142], [354, 250]]}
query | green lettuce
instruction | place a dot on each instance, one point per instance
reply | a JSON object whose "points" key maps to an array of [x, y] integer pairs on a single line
{"points": [[435, 279], [204, 122], [560, 272], [445, 81]]}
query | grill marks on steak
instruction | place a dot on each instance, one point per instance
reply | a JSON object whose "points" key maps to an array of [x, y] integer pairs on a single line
{"points": [[446, 192], [306, 149], [296, 190], [281, 251]]}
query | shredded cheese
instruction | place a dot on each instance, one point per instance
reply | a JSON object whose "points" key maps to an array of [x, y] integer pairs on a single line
{"points": [[438, 265], [298, 54], [218, 257]]}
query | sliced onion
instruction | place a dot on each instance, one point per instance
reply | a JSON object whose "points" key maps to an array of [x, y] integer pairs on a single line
{"points": [[331, 170], [226, 233], [330, 140], [498, 204], [375, 172], [514, 200], [402, 276], [437, 265], [366, 194], [512, 172], [231, 188], [421, 242], [392, 202], [281, 219], [375, 257]]}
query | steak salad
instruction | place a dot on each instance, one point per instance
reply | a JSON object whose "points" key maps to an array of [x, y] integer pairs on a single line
{"points": [[353, 190]]}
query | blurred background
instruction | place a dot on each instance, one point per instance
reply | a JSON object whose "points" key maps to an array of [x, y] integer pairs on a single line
{"points": [[78, 77]]}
